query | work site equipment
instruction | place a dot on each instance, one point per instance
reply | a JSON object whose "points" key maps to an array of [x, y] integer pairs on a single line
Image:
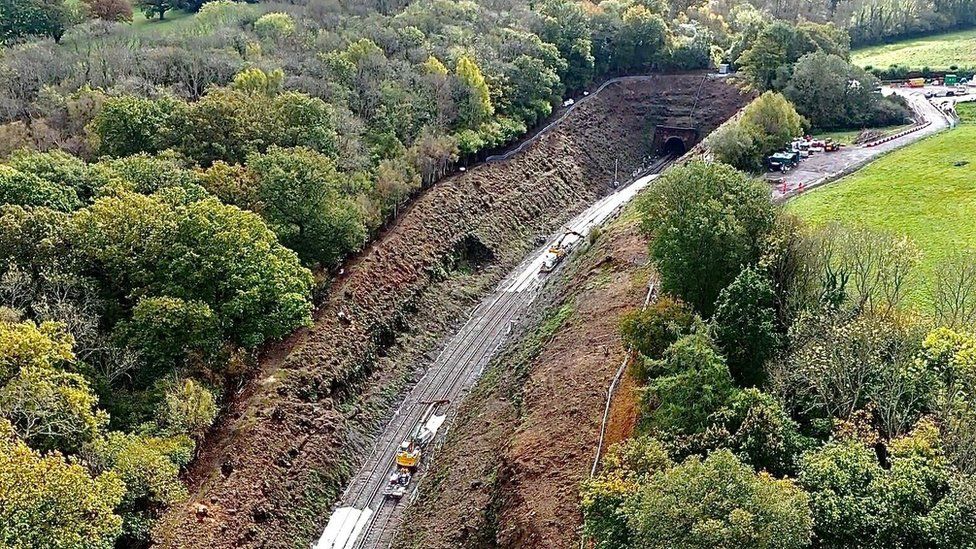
{"points": [[783, 161], [399, 482], [559, 249], [408, 457]]}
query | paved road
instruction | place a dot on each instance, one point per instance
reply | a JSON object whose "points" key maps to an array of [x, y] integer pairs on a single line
{"points": [[366, 518], [826, 167]]}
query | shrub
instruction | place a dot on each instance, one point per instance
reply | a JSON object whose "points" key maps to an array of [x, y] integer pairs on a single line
{"points": [[274, 26]]}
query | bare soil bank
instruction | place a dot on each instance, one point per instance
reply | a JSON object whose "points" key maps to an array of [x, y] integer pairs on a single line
{"points": [[291, 437], [509, 473]]}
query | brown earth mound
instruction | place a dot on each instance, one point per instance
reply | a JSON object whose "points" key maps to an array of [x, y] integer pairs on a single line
{"points": [[291, 437]]}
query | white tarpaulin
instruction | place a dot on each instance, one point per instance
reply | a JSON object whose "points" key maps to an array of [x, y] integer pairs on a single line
{"points": [[345, 526]]}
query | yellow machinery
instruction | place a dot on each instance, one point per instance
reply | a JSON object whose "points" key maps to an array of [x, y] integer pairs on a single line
{"points": [[559, 250], [408, 456]]}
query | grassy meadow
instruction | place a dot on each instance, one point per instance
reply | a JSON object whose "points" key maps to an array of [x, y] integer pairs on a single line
{"points": [[926, 191], [939, 51]]}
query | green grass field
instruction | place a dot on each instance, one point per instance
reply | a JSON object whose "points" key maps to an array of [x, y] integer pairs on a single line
{"points": [[917, 191], [175, 20], [939, 51]]}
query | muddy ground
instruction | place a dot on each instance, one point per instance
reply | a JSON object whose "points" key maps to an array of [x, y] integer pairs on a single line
{"points": [[508, 475], [289, 440]]}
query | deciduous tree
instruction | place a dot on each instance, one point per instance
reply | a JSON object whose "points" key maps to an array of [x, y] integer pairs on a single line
{"points": [[304, 202], [705, 221], [744, 325], [48, 501]]}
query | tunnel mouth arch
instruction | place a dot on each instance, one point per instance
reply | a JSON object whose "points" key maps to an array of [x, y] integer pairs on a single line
{"points": [[674, 146]]}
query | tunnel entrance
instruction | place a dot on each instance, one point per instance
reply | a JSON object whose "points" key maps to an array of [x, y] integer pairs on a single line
{"points": [[674, 140], [674, 146]]}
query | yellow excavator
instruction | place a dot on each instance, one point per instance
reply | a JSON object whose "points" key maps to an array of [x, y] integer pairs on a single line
{"points": [[408, 456]]}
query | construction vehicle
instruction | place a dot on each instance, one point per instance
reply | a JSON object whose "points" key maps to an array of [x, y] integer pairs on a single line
{"points": [[832, 146], [399, 482], [783, 161], [559, 249], [801, 146], [410, 453], [916, 82]]}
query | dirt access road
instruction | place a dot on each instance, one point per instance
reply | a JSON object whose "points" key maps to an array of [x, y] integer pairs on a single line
{"points": [[826, 167]]}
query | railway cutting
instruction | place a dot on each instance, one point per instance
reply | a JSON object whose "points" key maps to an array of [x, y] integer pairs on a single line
{"points": [[372, 506]]}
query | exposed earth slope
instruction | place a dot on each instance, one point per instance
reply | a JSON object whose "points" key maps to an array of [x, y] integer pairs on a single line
{"points": [[292, 436], [510, 472]]}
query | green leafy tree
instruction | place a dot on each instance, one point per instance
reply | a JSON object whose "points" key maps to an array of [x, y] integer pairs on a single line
{"points": [[734, 144], [627, 466], [145, 174], [228, 125], [475, 106], [694, 383], [24, 189], [755, 427], [706, 221], [744, 325], [768, 62], [59, 168], [654, 328], [232, 184], [434, 66], [255, 80], [167, 332], [152, 8], [858, 503], [127, 125], [22, 18], [537, 87], [642, 41], [767, 125], [834, 94], [274, 26], [303, 201], [194, 250], [47, 501], [52, 410], [190, 409], [718, 502], [28, 345], [565, 24], [149, 467]]}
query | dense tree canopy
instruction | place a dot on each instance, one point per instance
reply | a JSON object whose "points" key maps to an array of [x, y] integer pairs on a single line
{"points": [[705, 222], [166, 245], [643, 499], [832, 94], [308, 204], [45, 500]]}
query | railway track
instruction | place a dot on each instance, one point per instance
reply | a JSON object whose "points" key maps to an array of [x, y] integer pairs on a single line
{"points": [[366, 518]]}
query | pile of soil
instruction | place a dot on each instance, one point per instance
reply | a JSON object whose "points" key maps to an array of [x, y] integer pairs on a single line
{"points": [[278, 460]]}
